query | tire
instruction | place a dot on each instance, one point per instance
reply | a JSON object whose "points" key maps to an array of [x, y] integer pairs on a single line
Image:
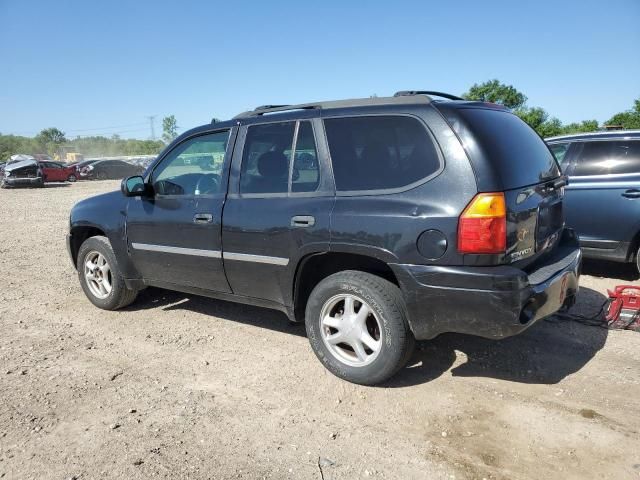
{"points": [[394, 343], [101, 176], [72, 178], [638, 260], [118, 296]]}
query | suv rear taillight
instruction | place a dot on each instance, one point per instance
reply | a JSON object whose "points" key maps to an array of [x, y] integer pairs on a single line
{"points": [[482, 227]]}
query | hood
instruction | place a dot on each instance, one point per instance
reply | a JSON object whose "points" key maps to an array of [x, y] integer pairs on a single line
{"points": [[20, 157], [19, 165]]}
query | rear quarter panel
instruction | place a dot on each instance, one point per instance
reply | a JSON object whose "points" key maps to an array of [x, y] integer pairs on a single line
{"points": [[387, 226]]}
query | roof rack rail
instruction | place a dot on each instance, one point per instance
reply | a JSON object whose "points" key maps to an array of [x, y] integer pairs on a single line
{"points": [[269, 107], [276, 108], [405, 93]]}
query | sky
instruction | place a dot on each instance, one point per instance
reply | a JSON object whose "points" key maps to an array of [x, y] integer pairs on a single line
{"points": [[102, 68]]}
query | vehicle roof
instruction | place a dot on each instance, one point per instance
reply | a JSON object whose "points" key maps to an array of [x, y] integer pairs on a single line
{"points": [[288, 112], [605, 135]]}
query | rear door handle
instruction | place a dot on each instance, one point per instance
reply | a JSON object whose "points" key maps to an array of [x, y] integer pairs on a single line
{"points": [[633, 193], [303, 221], [203, 218]]}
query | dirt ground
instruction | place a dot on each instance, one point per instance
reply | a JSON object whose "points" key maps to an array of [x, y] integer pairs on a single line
{"points": [[178, 386]]}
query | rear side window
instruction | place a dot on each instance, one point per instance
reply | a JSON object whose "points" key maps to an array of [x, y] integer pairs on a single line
{"points": [[280, 158], [379, 153], [608, 157], [515, 150]]}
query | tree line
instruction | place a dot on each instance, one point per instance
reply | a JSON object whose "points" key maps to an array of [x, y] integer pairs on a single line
{"points": [[52, 140], [539, 119]]}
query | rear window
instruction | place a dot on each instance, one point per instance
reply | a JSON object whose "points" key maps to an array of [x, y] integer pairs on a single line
{"points": [[608, 157], [513, 148], [379, 153]]}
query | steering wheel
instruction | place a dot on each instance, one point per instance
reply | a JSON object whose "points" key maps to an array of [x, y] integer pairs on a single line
{"points": [[207, 184]]}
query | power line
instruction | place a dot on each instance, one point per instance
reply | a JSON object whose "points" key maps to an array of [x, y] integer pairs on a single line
{"points": [[112, 133], [105, 128], [72, 131]]}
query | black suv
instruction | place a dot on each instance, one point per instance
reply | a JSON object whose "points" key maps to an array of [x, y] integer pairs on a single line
{"points": [[603, 196], [375, 221]]}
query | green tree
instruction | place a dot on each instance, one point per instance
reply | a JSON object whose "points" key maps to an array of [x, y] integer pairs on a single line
{"points": [[580, 127], [169, 128], [495, 92], [629, 119], [538, 118], [50, 139]]}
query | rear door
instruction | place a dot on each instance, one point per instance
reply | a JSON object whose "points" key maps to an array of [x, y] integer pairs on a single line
{"points": [[174, 236], [603, 196], [278, 206]]}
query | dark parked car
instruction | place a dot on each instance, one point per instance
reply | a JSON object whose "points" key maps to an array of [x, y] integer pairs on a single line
{"points": [[602, 199], [109, 170], [25, 173], [415, 216]]}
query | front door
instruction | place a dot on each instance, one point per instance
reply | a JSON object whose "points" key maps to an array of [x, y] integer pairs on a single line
{"points": [[174, 235]]}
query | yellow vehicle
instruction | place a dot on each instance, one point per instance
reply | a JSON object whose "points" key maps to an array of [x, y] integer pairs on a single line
{"points": [[64, 155]]}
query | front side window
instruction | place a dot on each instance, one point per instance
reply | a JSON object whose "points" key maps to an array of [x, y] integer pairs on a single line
{"points": [[559, 151], [379, 152], [194, 167], [608, 157], [276, 160]]}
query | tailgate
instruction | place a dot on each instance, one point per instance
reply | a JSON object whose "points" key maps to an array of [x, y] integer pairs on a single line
{"points": [[534, 220]]}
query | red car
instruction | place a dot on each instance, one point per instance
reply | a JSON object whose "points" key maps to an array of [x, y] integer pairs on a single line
{"points": [[58, 172]]}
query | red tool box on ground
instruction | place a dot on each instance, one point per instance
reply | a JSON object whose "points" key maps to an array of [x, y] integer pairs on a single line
{"points": [[624, 308]]}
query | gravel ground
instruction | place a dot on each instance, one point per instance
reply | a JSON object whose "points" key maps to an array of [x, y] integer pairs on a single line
{"points": [[178, 386]]}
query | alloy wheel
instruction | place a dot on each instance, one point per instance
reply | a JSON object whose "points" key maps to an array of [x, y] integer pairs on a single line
{"points": [[97, 274], [351, 330]]}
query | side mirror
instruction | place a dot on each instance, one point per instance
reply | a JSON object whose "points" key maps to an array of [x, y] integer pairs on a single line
{"points": [[134, 186]]}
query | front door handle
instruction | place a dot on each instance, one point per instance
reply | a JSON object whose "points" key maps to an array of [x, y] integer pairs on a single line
{"points": [[632, 193], [303, 221], [203, 218]]}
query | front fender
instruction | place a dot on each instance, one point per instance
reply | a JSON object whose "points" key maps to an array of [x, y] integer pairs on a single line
{"points": [[103, 214]]}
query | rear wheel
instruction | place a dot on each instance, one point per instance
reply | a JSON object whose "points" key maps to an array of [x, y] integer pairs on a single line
{"points": [[357, 326], [100, 277]]}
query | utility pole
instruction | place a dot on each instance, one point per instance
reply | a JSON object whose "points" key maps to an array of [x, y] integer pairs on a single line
{"points": [[153, 131]]}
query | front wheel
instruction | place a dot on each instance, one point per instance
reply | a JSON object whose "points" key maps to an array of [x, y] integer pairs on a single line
{"points": [[71, 178], [357, 326], [100, 277]]}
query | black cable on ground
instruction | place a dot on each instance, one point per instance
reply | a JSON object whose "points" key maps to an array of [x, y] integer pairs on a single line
{"points": [[596, 320]]}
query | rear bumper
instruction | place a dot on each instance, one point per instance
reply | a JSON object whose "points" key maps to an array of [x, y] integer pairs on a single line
{"points": [[491, 302]]}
